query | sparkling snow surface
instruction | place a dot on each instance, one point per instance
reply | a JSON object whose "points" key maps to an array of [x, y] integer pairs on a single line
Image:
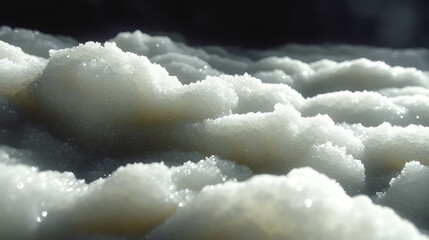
{"points": [[142, 137]]}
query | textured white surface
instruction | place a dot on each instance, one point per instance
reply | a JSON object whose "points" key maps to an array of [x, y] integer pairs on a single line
{"points": [[301, 205], [312, 127], [17, 69], [407, 193], [131, 201]]}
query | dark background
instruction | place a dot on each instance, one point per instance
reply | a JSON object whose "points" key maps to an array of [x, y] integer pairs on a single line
{"points": [[248, 24]]}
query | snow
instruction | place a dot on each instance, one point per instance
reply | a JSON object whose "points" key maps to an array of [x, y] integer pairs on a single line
{"points": [[145, 137]]}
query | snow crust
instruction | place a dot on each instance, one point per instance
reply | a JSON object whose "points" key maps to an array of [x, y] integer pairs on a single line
{"points": [[301, 205], [144, 137]]}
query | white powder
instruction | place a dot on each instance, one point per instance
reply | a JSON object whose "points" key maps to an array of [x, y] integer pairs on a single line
{"points": [[199, 143]]}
